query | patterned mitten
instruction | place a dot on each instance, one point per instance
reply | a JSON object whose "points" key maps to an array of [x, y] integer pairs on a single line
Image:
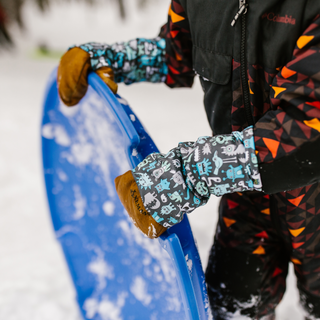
{"points": [[177, 183], [133, 61]]}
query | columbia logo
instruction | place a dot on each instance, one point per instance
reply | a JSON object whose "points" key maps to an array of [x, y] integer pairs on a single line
{"points": [[277, 18]]}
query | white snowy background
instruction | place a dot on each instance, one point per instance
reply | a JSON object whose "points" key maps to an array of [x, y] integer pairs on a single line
{"points": [[34, 280]]}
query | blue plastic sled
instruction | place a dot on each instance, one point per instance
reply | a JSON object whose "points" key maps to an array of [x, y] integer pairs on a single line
{"points": [[118, 273]]}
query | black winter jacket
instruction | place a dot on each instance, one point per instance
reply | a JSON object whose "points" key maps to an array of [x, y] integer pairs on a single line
{"points": [[264, 70]]}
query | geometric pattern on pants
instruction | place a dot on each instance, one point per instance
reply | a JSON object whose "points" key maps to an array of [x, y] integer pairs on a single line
{"points": [[257, 236]]}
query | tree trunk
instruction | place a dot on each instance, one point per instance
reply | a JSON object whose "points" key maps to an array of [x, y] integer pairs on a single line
{"points": [[12, 8], [122, 9], [142, 3], [43, 4]]}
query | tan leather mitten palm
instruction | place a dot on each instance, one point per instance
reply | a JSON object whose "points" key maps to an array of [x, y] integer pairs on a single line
{"points": [[73, 72], [129, 195]]}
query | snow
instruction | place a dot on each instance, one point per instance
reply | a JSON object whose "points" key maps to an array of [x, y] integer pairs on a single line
{"points": [[139, 290], [101, 269], [189, 263], [106, 309], [80, 203], [108, 208], [57, 133], [35, 283]]}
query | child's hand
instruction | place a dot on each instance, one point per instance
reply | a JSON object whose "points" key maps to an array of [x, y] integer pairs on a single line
{"points": [[130, 197], [73, 71]]}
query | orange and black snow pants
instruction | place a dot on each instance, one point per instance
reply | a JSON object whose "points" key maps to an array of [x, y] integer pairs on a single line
{"points": [[256, 238]]}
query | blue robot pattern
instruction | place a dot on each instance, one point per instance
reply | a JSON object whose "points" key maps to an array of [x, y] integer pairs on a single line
{"points": [[203, 167], [156, 217], [234, 173], [163, 185], [175, 196], [220, 190], [182, 180], [133, 61], [218, 162], [248, 143], [143, 181], [167, 209]]}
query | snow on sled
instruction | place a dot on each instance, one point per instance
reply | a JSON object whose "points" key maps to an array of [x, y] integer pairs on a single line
{"points": [[117, 272]]}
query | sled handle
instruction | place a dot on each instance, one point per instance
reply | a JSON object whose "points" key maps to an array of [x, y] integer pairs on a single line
{"points": [[171, 243], [130, 135], [178, 241]]}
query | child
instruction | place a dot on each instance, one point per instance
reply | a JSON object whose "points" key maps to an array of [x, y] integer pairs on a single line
{"points": [[259, 66]]}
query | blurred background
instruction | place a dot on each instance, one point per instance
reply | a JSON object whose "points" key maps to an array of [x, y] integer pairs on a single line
{"points": [[34, 280]]}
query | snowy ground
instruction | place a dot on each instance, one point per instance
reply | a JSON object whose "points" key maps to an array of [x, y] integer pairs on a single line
{"points": [[34, 280]]}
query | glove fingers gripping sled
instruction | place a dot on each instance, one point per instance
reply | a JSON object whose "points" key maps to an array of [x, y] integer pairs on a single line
{"points": [[73, 72], [129, 195]]}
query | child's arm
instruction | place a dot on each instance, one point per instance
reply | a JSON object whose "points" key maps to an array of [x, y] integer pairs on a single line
{"points": [[137, 60], [165, 187], [287, 137], [166, 58], [178, 47], [133, 61]]}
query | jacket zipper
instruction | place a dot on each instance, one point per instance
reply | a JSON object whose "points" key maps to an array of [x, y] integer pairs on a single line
{"points": [[243, 8]]}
